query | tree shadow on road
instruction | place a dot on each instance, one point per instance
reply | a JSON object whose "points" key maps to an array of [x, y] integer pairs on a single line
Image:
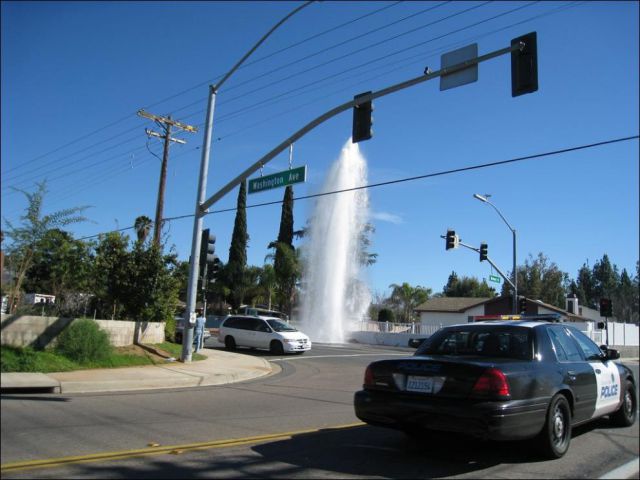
{"points": [[360, 451]]}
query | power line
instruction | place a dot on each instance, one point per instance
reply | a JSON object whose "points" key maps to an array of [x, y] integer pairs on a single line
{"points": [[286, 78], [288, 93], [257, 60], [406, 179]]}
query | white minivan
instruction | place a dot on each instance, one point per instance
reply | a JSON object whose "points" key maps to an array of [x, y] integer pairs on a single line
{"points": [[262, 332]]}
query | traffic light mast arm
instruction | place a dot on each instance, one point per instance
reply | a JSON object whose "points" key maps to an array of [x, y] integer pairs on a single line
{"points": [[477, 250], [346, 106]]}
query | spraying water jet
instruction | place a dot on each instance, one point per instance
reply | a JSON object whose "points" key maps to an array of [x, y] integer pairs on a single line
{"points": [[334, 293]]}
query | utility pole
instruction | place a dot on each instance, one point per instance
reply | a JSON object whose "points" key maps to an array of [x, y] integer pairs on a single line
{"points": [[165, 123]]}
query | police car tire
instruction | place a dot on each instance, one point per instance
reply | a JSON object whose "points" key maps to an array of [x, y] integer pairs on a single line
{"points": [[555, 437], [625, 416]]}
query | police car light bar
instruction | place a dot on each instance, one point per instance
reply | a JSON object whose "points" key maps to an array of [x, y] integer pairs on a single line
{"points": [[546, 317]]}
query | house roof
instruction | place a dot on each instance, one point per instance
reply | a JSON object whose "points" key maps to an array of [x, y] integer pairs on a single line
{"points": [[462, 304], [450, 304]]}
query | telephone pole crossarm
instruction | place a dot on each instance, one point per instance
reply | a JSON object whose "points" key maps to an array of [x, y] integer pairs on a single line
{"points": [[166, 123]]}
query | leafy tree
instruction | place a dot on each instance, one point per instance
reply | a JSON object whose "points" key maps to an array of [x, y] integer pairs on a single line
{"points": [[541, 279], [625, 299], [35, 225], [386, 315], [154, 291], [467, 287], [605, 279], [405, 298], [585, 287], [61, 266], [367, 259], [142, 227], [111, 274], [238, 250]]}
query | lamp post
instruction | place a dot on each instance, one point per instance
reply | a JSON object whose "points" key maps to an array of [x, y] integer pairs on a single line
{"points": [[485, 199], [200, 212]]}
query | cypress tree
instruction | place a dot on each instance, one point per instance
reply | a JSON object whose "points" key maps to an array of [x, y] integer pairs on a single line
{"points": [[238, 250], [285, 274]]}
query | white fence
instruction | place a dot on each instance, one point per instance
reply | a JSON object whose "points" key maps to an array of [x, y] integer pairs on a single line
{"points": [[623, 334], [390, 327]]}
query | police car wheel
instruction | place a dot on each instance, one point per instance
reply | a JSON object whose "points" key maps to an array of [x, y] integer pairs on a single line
{"points": [[625, 416], [556, 434], [229, 343]]}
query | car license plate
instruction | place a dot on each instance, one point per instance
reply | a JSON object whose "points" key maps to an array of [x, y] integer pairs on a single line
{"points": [[424, 384]]}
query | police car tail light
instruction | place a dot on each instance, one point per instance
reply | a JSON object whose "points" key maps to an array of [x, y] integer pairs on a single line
{"points": [[492, 383], [368, 377]]}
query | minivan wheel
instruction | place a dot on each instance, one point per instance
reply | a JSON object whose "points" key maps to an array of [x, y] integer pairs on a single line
{"points": [[229, 343], [625, 416], [555, 437], [276, 347]]}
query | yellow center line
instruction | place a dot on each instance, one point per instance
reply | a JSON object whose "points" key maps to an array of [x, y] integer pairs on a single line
{"points": [[95, 457]]}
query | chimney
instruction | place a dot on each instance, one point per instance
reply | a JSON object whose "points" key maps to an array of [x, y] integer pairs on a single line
{"points": [[572, 304]]}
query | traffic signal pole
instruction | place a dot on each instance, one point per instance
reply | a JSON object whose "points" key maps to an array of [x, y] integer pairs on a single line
{"points": [[200, 210], [346, 106], [202, 207], [477, 250]]}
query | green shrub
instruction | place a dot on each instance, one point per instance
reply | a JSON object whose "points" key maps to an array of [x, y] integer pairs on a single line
{"points": [[386, 315], [83, 341], [170, 329]]}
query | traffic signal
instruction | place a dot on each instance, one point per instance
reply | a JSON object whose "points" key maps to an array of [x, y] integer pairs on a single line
{"points": [[207, 250], [362, 120], [483, 251], [606, 308], [451, 239], [524, 65], [523, 305], [214, 271]]}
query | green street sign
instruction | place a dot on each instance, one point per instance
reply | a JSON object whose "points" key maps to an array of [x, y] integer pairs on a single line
{"points": [[276, 180], [494, 278]]}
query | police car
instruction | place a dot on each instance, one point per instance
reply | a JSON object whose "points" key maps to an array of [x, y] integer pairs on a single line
{"points": [[513, 378]]}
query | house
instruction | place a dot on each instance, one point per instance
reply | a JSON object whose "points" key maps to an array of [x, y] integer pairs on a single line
{"points": [[38, 299], [452, 310]]}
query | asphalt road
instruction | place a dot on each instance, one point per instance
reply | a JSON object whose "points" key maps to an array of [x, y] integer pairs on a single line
{"points": [[296, 423]]}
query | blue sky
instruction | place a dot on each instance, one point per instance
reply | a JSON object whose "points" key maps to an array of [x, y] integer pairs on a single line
{"points": [[75, 73]]}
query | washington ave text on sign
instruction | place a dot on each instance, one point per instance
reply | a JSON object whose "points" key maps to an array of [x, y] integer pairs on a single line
{"points": [[280, 179]]}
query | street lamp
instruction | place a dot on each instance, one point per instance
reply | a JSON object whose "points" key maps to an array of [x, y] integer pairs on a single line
{"points": [[485, 199], [200, 212]]}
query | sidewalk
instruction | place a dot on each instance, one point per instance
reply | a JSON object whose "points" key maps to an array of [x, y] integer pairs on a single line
{"points": [[219, 368]]}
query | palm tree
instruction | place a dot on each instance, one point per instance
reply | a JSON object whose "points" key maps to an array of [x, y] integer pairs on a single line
{"points": [[268, 281], [142, 227], [406, 298]]}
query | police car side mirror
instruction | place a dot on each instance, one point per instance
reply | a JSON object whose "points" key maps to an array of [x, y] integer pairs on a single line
{"points": [[612, 354]]}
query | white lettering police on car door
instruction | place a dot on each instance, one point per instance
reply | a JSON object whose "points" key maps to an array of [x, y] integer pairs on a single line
{"points": [[608, 385]]}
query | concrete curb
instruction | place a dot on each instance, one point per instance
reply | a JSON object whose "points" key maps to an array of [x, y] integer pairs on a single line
{"points": [[219, 368]]}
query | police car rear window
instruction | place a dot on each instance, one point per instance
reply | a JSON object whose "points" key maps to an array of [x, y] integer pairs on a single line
{"points": [[481, 341]]}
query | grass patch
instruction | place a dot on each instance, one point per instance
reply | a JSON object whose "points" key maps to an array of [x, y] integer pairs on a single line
{"points": [[175, 349], [16, 359]]}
